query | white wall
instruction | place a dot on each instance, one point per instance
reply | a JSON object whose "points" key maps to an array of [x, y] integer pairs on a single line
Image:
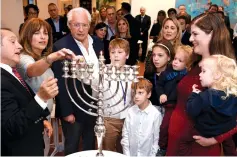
{"points": [[12, 14], [14, 17], [152, 7], [43, 7]]}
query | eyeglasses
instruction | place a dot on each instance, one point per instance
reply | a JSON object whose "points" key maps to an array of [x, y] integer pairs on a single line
{"points": [[78, 25]]}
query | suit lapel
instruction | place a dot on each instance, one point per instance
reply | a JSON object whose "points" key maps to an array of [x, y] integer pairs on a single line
{"points": [[52, 24], [61, 24], [16, 83], [73, 45]]}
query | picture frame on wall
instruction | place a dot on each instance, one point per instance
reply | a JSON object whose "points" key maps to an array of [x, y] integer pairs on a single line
{"points": [[104, 3]]}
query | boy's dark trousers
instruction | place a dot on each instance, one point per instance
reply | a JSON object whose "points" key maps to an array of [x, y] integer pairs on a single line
{"points": [[163, 138]]}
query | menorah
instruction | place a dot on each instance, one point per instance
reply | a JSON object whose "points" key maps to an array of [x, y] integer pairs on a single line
{"points": [[79, 70]]}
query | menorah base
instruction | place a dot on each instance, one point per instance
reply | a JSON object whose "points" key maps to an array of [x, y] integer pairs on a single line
{"points": [[92, 153], [99, 154]]}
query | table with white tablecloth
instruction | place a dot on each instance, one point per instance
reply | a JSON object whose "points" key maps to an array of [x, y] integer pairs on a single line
{"points": [[92, 153]]}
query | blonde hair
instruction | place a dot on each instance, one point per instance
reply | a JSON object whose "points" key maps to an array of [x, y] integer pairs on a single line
{"points": [[228, 70], [128, 35], [177, 40], [142, 84], [188, 55], [120, 43]]}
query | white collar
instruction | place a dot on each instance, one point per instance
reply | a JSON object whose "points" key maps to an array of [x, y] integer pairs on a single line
{"points": [[6, 67], [90, 40], [147, 109]]}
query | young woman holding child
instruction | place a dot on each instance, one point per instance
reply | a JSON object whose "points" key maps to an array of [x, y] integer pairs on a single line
{"points": [[214, 110], [209, 36]]}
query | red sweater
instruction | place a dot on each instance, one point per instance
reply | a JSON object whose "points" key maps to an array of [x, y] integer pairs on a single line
{"points": [[181, 128]]}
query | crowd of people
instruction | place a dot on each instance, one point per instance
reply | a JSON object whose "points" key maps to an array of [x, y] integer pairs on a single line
{"points": [[186, 103]]}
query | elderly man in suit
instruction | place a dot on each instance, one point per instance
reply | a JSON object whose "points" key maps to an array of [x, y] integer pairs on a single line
{"points": [[145, 23], [22, 112], [76, 123]]}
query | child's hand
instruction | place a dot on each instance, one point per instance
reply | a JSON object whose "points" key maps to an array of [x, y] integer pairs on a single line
{"points": [[163, 98], [195, 90]]}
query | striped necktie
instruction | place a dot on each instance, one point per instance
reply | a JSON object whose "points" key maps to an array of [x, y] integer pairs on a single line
{"points": [[16, 73]]}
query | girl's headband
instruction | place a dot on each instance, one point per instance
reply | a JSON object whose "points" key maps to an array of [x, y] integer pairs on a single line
{"points": [[164, 47]]}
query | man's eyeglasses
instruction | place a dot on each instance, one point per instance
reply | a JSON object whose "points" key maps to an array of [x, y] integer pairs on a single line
{"points": [[78, 25]]}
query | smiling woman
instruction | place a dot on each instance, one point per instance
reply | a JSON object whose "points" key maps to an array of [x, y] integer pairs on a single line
{"points": [[212, 29], [36, 59]]}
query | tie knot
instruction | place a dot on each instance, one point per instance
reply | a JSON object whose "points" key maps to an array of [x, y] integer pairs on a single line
{"points": [[14, 70]]}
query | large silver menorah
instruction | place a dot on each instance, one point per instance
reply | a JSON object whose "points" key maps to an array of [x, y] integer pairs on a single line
{"points": [[78, 70]]}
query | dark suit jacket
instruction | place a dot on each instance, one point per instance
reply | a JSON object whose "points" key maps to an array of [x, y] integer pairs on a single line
{"points": [[134, 26], [185, 39], [64, 105], [145, 25], [62, 28], [21, 118], [155, 31]]}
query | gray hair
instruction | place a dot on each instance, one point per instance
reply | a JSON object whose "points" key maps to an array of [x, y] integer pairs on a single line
{"points": [[78, 10], [143, 8]]}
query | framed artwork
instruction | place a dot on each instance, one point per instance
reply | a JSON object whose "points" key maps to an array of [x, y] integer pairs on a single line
{"points": [[196, 7], [101, 3]]}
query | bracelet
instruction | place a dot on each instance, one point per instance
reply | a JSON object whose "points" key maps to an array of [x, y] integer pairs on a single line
{"points": [[47, 60]]}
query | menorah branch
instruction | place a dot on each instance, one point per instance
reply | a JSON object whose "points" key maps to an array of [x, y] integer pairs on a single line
{"points": [[114, 73]]}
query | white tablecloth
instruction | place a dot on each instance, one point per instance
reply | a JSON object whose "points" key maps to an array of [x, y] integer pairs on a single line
{"points": [[92, 153]]}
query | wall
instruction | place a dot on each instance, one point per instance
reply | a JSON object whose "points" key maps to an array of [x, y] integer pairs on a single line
{"points": [[12, 14], [43, 7], [14, 17], [118, 3], [62, 4], [152, 7]]}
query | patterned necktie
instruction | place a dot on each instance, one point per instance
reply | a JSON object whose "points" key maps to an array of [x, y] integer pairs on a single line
{"points": [[15, 72]]}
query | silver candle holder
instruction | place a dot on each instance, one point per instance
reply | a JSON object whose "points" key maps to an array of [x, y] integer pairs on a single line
{"points": [[78, 70]]}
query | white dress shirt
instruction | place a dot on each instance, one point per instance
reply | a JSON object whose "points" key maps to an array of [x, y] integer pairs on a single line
{"points": [[90, 57], [121, 94], [111, 31], [37, 98], [141, 131]]}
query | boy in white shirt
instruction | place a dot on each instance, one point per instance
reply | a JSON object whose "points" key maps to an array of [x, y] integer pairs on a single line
{"points": [[114, 116], [142, 125]]}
